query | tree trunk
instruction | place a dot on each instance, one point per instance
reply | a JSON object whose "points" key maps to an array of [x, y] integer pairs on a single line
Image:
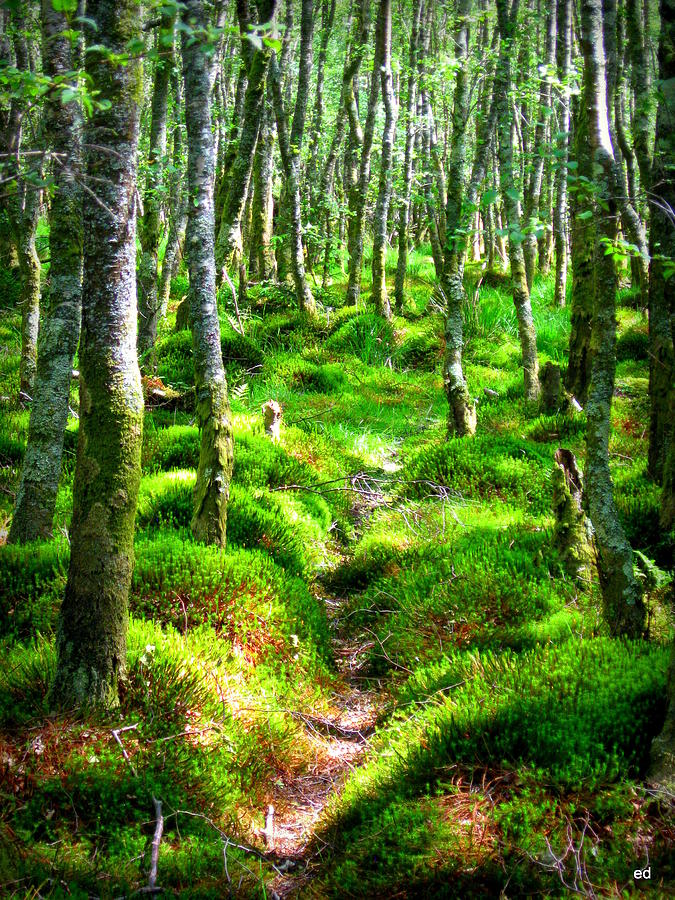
{"points": [[404, 207], [380, 297], [564, 61], [36, 497], [150, 225], [462, 413], [622, 600], [177, 206], [262, 264], [662, 244], [359, 189], [290, 148], [209, 519], [536, 181], [510, 199], [229, 243], [91, 641], [327, 19]]}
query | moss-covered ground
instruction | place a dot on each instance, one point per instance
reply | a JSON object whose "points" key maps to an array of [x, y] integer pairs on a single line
{"points": [[389, 652]]}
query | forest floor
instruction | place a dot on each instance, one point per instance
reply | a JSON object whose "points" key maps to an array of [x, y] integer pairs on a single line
{"points": [[389, 653]]}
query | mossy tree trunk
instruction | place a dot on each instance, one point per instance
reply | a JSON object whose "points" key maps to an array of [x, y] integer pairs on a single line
{"points": [[406, 191], [22, 202], [582, 211], [262, 264], [290, 146], [327, 19], [511, 202], [380, 297], [91, 640], [60, 331], [150, 225], [209, 519], [662, 244], [622, 600], [564, 62]]}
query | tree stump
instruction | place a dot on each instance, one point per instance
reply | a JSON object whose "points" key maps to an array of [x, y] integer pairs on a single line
{"points": [[573, 529], [551, 385], [272, 413], [183, 315]]}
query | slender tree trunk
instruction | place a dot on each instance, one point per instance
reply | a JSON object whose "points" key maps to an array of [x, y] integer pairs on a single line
{"points": [[359, 190], [327, 17], [462, 413], [624, 609], [662, 245], [150, 225], [262, 264], [229, 244], [536, 181], [404, 206], [578, 373], [521, 294], [177, 206], [91, 640], [41, 473], [644, 96], [380, 297], [564, 61], [209, 519], [290, 147]]}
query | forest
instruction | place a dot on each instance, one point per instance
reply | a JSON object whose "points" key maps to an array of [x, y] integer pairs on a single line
{"points": [[337, 448]]}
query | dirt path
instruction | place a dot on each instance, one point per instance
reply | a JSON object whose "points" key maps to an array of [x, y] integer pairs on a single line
{"points": [[339, 744]]}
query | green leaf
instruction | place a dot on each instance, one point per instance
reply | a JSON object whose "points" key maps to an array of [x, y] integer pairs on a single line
{"points": [[513, 194], [64, 6], [586, 214], [489, 197]]}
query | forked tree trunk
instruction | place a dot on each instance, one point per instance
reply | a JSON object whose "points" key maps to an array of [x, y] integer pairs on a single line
{"points": [[60, 332], [380, 297], [622, 600], [91, 640], [209, 519]]}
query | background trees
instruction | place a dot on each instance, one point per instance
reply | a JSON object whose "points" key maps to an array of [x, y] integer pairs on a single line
{"points": [[330, 378]]}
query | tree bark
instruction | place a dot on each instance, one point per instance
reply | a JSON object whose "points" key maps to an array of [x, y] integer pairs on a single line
{"points": [[229, 242], [662, 245], [59, 335], [214, 472], [290, 147], [177, 211], [380, 297], [510, 199], [536, 181], [404, 206], [564, 61], [462, 413], [359, 189], [150, 225], [622, 600], [91, 640], [262, 264]]}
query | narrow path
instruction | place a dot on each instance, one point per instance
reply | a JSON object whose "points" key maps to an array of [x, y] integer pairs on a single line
{"points": [[339, 743]]}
